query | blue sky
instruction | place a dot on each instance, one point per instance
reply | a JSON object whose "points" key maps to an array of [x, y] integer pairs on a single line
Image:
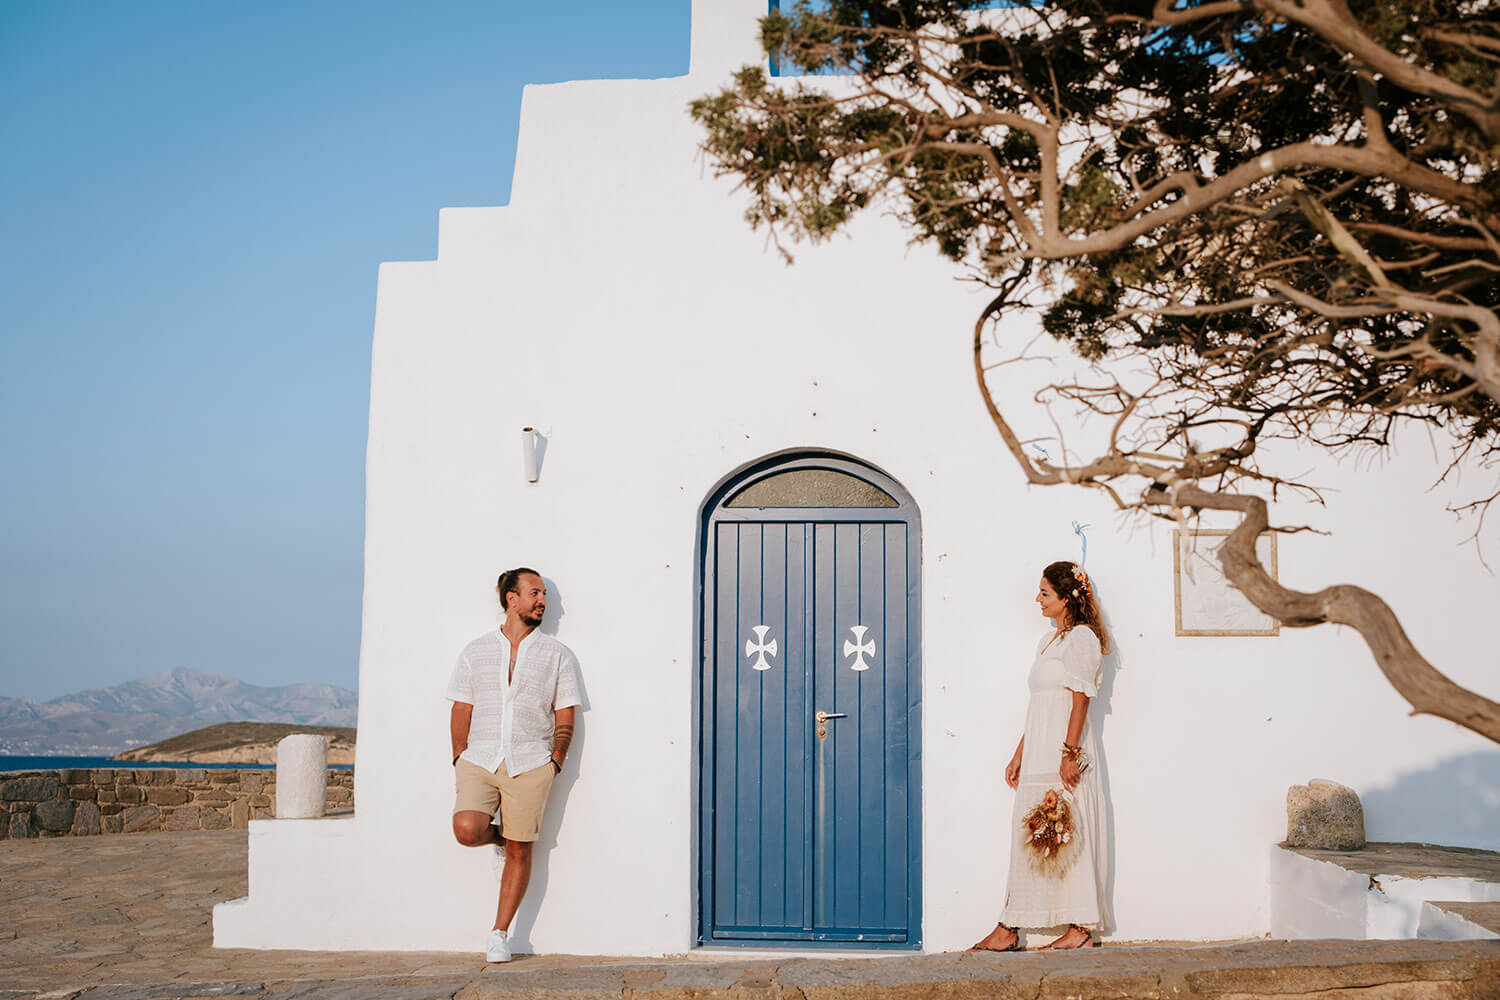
{"points": [[195, 200]]}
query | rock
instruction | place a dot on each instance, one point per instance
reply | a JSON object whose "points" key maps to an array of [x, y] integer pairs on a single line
{"points": [[99, 918], [166, 795], [192, 776], [239, 814], [75, 776], [36, 789], [142, 818], [1324, 815], [114, 824], [441, 990], [86, 820], [301, 776], [20, 826], [253, 783], [164, 991], [55, 816], [186, 818], [81, 793], [104, 776], [129, 794], [213, 819]]}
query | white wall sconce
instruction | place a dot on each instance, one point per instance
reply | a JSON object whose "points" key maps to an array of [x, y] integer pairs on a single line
{"points": [[531, 454]]}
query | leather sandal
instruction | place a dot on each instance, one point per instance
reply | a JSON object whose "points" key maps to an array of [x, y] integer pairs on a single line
{"points": [[1014, 945], [1087, 942]]}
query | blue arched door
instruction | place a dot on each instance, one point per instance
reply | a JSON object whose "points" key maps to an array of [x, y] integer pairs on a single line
{"points": [[810, 700]]}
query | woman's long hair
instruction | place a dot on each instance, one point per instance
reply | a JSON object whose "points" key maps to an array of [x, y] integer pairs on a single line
{"points": [[1072, 584]]}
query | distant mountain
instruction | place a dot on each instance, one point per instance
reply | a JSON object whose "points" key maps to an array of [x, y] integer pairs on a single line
{"points": [[105, 721]]}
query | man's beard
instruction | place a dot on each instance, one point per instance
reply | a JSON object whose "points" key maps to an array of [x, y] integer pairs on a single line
{"points": [[531, 621]]}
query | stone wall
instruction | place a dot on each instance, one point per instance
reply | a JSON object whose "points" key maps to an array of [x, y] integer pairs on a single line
{"points": [[85, 801]]}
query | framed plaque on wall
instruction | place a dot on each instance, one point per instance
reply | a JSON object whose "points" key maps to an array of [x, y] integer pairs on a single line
{"points": [[1205, 602]]}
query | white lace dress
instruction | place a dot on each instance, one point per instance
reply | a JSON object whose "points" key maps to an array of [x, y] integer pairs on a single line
{"points": [[1076, 895]]}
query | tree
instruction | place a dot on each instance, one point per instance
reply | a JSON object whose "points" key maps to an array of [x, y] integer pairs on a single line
{"points": [[1276, 219]]}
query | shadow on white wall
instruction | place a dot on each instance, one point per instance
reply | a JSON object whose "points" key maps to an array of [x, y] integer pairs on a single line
{"points": [[535, 899], [1101, 708], [1455, 802]]}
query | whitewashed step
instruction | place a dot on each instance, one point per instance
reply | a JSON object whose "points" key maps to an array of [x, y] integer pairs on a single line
{"points": [[1457, 921], [1383, 891]]}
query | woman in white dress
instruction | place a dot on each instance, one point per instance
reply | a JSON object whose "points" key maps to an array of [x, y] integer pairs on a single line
{"points": [[1058, 856]]}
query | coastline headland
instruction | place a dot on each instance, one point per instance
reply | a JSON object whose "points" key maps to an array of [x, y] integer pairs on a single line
{"points": [[240, 743]]}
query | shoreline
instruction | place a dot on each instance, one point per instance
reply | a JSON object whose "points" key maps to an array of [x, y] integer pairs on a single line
{"points": [[13, 764]]}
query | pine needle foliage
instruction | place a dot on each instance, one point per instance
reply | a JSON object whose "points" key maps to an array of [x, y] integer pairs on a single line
{"points": [[1289, 208]]}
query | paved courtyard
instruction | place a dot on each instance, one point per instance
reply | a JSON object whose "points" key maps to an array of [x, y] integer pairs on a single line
{"points": [[128, 917], [137, 908]]}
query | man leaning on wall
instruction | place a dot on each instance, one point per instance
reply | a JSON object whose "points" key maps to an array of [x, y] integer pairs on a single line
{"points": [[513, 691]]}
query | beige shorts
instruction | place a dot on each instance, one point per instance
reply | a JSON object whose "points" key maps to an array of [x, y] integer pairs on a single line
{"points": [[520, 800]]}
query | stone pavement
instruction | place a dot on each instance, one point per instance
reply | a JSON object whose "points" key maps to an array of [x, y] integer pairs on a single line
{"points": [[128, 918]]}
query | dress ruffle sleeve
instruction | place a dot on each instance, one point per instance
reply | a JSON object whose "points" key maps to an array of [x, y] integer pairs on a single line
{"points": [[1081, 657]]}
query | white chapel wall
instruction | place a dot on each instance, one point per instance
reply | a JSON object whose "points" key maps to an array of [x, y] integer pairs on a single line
{"points": [[620, 305]]}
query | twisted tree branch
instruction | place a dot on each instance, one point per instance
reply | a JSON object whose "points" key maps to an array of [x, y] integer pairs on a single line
{"points": [[1425, 688]]}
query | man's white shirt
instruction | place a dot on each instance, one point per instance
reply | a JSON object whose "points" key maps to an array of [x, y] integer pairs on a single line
{"points": [[513, 722]]}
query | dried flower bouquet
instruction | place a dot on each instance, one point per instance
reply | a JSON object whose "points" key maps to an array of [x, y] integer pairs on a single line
{"points": [[1049, 835]]}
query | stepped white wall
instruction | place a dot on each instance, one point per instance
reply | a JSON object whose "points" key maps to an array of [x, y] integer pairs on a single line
{"points": [[1315, 899], [620, 305]]}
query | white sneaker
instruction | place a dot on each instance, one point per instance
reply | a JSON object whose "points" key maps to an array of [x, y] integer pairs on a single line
{"points": [[497, 861], [497, 948]]}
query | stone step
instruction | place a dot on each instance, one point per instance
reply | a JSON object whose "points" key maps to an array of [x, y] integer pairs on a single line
{"points": [[1274, 970], [1417, 861]]}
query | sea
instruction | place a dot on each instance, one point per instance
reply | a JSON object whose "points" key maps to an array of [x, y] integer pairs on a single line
{"points": [[53, 763]]}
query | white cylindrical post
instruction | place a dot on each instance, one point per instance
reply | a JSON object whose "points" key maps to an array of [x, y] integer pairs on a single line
{"points": [[528, 453], [301, 776]]}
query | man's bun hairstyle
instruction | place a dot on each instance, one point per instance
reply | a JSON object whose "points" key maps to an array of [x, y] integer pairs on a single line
{"points": [[510, 583]]}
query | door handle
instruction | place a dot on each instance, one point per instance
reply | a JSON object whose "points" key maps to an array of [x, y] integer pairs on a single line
{"points": [[823, 716]]}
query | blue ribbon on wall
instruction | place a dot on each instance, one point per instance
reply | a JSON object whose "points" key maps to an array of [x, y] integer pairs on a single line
{"points": [[1079, 529]]}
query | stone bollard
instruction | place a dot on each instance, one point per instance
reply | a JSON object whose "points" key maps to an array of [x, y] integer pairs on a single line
{"points": [[1324, 815], [301, 776]]}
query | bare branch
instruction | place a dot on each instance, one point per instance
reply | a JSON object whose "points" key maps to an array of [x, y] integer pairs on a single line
{"points": [[1164, 12], [1413, 236], [1426, 689], [1333, 22]]}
